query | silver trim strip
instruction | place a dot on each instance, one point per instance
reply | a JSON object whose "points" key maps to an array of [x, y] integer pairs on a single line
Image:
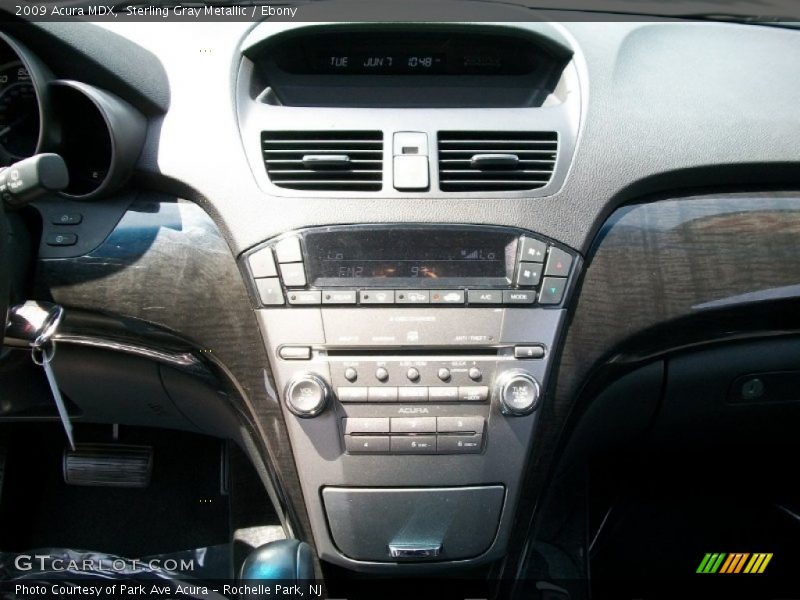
{"points": [[176, 359]]}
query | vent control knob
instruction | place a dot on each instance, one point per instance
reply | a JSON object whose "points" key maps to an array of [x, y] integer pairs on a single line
{"points": [[518, 392], [307, 395]]}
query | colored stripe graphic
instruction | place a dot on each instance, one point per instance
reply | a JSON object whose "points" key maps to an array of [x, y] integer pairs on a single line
{"points": [[758, 563], [736, 562], [703, 563], [711, 562], [740, 564], [727, 564]]}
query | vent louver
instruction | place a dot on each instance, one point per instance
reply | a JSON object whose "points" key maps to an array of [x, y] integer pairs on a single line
{"points": [[324, 160], [478, 161]]}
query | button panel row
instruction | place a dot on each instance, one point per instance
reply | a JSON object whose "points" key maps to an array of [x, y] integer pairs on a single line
{"points": [[552, 293], [538, 265], [454, 297], [64, 234], [387, 425], [416, 372], [471, 393], [455, 443], [264, 268]]}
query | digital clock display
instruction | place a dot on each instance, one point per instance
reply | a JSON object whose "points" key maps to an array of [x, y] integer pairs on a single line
{"points": [[418, 257], [360, 63], [396, 53]]}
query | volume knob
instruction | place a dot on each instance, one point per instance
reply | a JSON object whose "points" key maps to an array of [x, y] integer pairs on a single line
{"points": [[518, 392], [307, 395]]}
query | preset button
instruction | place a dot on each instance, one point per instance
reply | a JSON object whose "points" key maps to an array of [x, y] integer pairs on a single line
{"points": [[443, 394], [367, 444], [352, 394], [459, 424], [413, 444], [414, 425], [458, 444], [366, 425], [382, 394], [412, 394]]}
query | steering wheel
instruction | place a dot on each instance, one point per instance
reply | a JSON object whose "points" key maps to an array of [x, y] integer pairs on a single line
{"points": [[4, 273]]}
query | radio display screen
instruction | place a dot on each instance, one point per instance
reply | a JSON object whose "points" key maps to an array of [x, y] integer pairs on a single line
{"points": [[410, 257]]}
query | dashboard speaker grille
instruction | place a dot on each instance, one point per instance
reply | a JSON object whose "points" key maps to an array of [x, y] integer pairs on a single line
{"points": [[324, 160], [478, 161]]}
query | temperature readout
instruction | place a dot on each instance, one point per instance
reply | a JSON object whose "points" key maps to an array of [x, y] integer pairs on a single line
{"points": [[466, 263], [416, 255]]}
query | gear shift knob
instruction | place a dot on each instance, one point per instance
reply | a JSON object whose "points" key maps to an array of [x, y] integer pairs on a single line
{"points": [[285, 560]]}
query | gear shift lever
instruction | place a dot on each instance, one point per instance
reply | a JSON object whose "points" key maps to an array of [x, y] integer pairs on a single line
{"points": [[286, 560]]}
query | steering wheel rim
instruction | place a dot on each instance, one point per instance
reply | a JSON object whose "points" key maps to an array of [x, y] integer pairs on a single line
{"points": [[4, 273]]}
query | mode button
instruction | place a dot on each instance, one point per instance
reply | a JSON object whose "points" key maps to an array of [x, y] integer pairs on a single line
{"points": [[519, 296]]}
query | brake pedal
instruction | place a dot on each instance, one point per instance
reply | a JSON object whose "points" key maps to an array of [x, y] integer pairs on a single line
{"points": [[109, 465]]}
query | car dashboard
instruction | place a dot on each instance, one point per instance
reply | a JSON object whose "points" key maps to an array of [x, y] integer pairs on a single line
{"points": [[414, 269]]}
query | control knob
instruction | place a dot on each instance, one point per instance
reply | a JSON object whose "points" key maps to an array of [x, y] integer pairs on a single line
{"points": [[307, 395], [518, 392]]}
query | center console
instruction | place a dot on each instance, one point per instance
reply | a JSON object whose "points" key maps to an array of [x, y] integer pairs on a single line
{"points": [[411, 362]]}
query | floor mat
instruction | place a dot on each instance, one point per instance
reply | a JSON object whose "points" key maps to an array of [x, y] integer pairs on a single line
{"points": [[182, 508]]}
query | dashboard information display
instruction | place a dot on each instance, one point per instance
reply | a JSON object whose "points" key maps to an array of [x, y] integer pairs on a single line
{"points": [[415, 257], [383, 64], [395, 53]]}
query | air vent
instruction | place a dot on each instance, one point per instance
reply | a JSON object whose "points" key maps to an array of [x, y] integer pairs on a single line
{"points": [[488, 161], [324, 160]]}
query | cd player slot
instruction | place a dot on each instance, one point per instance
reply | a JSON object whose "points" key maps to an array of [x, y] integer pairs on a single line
{"points": [[422, 353]]}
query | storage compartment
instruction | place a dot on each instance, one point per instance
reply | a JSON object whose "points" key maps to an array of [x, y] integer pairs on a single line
{"points": [[743, 393], [413, 524]]}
